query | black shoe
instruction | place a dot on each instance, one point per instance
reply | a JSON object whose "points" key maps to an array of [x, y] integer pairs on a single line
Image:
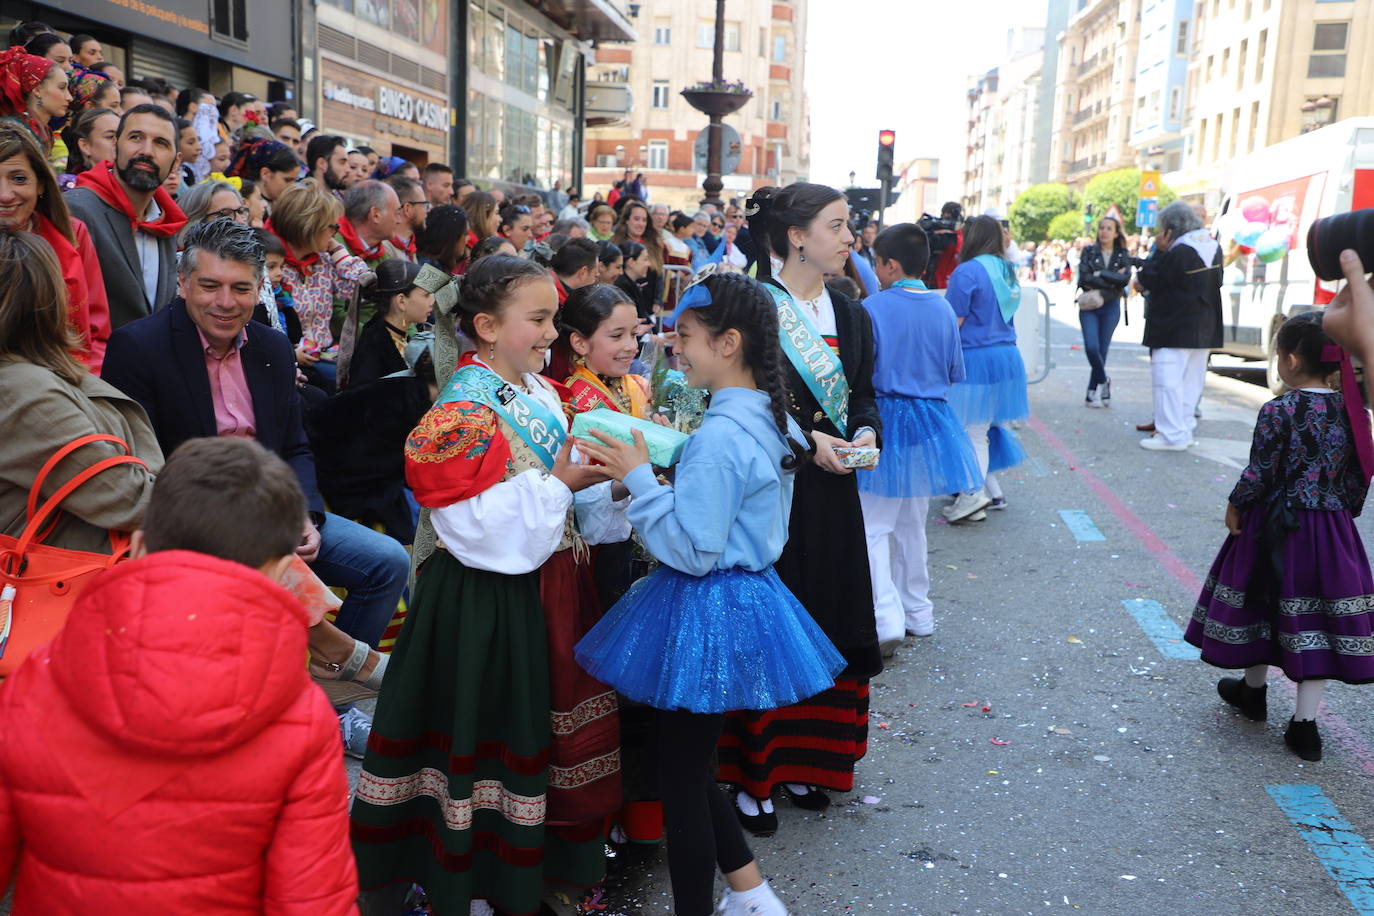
{"points": [[1251, 701], [1104, 391], [1303, 740], [765, 823], [814, 800]]}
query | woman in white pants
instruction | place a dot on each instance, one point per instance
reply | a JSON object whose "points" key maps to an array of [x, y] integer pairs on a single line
{"points": [[1183, 322]]}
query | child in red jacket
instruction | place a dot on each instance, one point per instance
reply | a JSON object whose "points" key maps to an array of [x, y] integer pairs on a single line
{"points": [[167, 752]]}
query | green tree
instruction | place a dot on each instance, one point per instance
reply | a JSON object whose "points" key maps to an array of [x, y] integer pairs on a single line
{"points": [[1030, 215], [1122, 188], [1066, 227]]}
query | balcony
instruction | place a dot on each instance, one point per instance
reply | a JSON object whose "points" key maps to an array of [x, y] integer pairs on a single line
{"points": [[608, 104], [1095, 110], [1094, 64]]}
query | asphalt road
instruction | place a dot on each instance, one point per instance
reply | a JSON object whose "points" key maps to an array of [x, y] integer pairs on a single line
{"points": [[1040, 753]]}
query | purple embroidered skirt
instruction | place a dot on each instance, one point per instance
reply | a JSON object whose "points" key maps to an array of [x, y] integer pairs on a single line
{"points": [[1323, 625]]}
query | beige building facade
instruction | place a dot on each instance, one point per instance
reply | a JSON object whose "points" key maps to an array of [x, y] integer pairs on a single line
{"points": [[643, 123], [1095, 89], [1265, 71], [1003, 114]]}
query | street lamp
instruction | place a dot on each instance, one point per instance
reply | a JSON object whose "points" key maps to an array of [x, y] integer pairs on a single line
{"points": [[852, 176]]}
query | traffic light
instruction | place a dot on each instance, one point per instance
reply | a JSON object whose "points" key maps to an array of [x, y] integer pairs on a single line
{"points": [[886, 140]]}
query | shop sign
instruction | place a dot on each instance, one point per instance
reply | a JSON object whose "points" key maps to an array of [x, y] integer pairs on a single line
{"points": [[406, 107], [345, 96]]}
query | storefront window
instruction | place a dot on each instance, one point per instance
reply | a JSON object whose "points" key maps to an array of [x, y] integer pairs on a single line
{"points": [[477, 36], [496, 43], [532, 61], [542, 137], [374, 11]]}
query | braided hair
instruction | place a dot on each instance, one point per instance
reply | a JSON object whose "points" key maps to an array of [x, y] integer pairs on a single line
{"points": [[1302, 336], [488, 285], [741, 303]]}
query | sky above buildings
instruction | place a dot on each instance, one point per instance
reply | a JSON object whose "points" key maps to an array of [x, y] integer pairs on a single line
{"points": [[902, 65]]}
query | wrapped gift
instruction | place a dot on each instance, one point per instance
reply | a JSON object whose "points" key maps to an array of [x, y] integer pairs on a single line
{"points": [[857, 458], [665, 444]]}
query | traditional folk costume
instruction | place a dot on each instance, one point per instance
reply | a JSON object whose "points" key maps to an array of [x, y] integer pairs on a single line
{"points": [[984, 293], [616, 567], [925, 449], [494, 759], [1294, 589], [829, 346]]}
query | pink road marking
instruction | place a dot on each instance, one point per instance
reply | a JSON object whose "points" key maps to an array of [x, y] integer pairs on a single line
{"points": [[1335, 725]]}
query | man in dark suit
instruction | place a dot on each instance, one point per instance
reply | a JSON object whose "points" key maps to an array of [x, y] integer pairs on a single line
{"points": [[202, 367], [132, 219]]}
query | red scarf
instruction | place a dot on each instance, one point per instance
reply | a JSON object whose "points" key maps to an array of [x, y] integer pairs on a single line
{"points": [[406, 245], [355, 244], [101, 179], [20, 74], [73, 275], [303, 265]]}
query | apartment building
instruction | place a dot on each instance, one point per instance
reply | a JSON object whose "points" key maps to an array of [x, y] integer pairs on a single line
{"points": [[1161, 79], [645, 125], [1095, 92], [1004, 125], [1264, 71]]}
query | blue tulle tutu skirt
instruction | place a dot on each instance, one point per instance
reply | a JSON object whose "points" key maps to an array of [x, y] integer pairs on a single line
{"points": [[925, 451], [1004, 449], [994, 388], [731, 639]]}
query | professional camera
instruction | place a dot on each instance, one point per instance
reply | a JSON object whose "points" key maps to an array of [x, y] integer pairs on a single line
{"points": [[942, 234], [1331, 235]]}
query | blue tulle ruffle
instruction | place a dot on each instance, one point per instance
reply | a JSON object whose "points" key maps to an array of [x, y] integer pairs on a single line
{"points": [[994, 388], [925, 451], [1004, 449], [730, 639]]}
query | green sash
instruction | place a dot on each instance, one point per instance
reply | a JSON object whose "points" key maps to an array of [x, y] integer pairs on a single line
{"points": [[1004, 283], [542, 430], [820, 369]]}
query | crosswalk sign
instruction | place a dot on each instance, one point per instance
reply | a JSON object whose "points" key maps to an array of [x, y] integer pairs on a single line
{"points": [[1149, 183], [1146, 211]]}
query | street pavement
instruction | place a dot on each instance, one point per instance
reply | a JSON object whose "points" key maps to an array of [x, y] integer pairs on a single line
{"points": [[1041, 753]]}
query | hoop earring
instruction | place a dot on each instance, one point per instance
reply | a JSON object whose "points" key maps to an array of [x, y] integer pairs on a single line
{"points": [[801, 250]]}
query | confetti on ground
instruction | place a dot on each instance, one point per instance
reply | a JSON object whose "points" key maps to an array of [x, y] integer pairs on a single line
{"points": [[871, 799], [1075, 640], [999, 742]]}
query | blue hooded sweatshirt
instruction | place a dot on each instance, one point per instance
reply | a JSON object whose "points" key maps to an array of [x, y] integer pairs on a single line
{"points": [[731, 500]]}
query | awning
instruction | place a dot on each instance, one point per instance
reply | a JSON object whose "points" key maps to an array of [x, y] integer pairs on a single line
{"points": [[601, 20]]}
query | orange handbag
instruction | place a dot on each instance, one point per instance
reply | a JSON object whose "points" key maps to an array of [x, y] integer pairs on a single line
{"points": [[39, 584]]}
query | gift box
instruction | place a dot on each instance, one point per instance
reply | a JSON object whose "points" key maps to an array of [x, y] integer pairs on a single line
{"points": [[665, 444], [857, 458]]}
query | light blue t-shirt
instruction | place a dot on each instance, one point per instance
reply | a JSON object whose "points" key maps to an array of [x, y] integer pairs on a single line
{"points": [[916, 339], [731, 499], [973, 299]]}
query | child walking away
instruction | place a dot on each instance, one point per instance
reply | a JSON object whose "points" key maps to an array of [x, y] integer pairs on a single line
{"points": [[494, 759], [1292, 585], [984, 294], [713, 629], [827, 342], [926, 452], [167, 750]]}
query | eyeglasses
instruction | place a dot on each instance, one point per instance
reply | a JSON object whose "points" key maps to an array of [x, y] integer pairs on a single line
{"points": [[418, 203], [229, 213], [717, 225]]}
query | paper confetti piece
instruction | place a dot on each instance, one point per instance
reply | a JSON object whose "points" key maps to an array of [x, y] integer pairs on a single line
{"points": [[1075, 640], [999, 742]]}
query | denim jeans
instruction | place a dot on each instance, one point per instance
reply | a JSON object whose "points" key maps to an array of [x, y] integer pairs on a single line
{"points": [[1098, 326], [372, 566]]}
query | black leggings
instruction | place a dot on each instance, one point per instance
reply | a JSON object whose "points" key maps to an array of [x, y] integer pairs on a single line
{"points": [[700, 823]]}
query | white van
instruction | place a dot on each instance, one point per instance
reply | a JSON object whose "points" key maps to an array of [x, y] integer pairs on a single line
{"points": [[1287, 186]]}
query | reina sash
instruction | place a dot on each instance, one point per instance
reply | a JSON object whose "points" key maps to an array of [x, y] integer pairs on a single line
{"points": [[542, 430], [820, 369]]}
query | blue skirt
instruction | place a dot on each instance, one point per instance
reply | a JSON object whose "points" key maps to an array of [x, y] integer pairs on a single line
{"points": [[925, 451], [994, 388], [731, 639], [1004, 449]]}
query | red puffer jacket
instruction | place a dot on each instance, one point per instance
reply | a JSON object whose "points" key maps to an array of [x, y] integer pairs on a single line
{"points": [[167, 753]]}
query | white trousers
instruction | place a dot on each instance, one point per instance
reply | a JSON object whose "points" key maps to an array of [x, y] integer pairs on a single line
{"points": [[978, 435], [1177, 378], [896, 531]]}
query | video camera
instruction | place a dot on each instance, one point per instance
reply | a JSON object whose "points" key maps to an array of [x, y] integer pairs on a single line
{"points": [[942, 234]]}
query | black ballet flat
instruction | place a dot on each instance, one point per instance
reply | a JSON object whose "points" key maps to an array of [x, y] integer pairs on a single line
{"points": [[763, 824], [1251, 701], [814, 800]]}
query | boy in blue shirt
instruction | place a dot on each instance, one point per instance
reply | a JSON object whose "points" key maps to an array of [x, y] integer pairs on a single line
{"points": [[925, 449]]}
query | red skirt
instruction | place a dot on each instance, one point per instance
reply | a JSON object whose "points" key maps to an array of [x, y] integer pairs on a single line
{"points": [[816, 743], [584, 751]]}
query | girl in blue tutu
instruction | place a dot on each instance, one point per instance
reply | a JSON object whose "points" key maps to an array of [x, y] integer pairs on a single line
{"points": [[713, 629], [925, 449], [984, 293]]}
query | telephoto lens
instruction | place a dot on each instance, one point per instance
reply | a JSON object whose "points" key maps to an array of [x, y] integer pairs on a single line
{"points": [[1331, 235]]}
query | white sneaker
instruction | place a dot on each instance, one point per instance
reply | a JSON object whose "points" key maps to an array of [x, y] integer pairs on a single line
{"points": [[1156, 444], [1092, 399], [967, 504], [921, 623], [761, 901]]}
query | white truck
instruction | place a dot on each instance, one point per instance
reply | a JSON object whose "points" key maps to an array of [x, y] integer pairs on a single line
{"points": [[1285, 187]]}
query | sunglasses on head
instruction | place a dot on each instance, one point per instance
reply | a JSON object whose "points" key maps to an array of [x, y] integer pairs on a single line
{"points": [[519, 208]]}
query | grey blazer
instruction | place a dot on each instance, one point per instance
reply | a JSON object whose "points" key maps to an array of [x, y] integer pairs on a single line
{"points": [[114, 245]]}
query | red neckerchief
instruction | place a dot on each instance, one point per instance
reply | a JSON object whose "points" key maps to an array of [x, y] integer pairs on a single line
{"points": [[559, 288], [101, 179], [301, 265], [406, 245], [355, 244]]}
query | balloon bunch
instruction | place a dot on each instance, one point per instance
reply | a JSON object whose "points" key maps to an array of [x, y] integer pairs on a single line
{"points": [[1261, 228]]}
